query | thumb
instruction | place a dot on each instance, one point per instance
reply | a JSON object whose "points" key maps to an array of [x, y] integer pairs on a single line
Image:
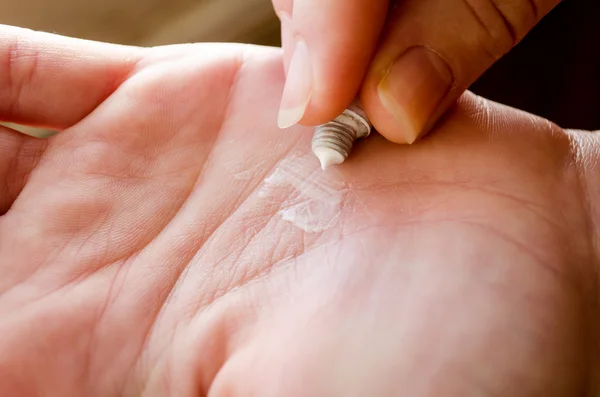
{"points": [[432, 51]]}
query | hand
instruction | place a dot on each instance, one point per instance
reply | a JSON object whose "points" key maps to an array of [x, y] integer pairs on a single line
{"points": [[419, 56], [172, 241]]}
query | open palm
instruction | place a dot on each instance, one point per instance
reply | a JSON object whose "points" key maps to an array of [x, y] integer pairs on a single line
{"points": [[172, 241]]}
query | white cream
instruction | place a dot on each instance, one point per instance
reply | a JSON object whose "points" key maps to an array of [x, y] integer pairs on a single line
{"points": [[328, 157], [312, 199]]}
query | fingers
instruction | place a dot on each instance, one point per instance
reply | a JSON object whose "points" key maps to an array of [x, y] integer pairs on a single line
{"points": [[432, 51], [19, 154], [52, 81], [328, 46]]}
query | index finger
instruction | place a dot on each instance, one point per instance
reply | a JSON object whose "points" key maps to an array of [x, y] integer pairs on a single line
{"points": [[51, 81], [328, 46]]}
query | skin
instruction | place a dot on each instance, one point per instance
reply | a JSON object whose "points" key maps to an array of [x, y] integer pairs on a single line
{"points": [[138, 257], [352, 46]]}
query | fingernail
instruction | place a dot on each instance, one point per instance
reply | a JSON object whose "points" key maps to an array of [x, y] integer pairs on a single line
{"points": [[287, 38], [413, 88], [298, 87]]}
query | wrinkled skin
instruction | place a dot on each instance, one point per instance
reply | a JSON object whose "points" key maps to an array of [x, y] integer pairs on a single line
{"points": [[145, 255]]}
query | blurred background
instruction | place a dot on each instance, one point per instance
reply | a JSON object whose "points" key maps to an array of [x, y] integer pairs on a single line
{"points": [[554, 72]]}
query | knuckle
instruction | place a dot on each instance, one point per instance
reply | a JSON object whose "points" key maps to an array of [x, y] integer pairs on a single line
{"points": [[502, 23], [494, 37], [20, 66], [518, 16]]}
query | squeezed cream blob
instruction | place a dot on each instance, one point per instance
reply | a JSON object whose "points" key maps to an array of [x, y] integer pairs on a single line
{"points": [[312, 199], [328, 157]]}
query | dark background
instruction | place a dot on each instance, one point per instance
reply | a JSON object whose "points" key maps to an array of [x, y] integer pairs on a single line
{"points": [[555, 71]]}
